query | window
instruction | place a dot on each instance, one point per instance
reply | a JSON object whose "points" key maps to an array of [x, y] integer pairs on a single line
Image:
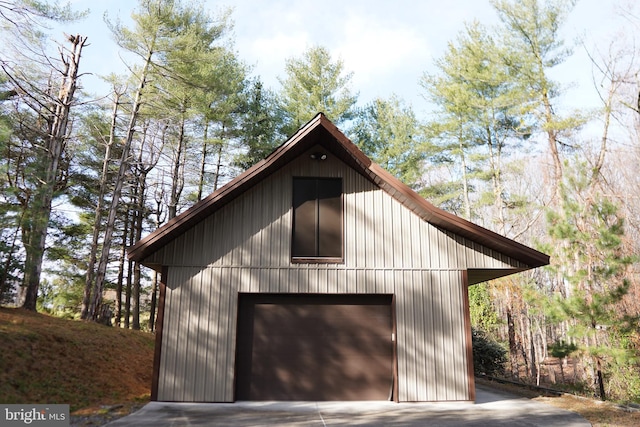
{"points": [[317, 220]]}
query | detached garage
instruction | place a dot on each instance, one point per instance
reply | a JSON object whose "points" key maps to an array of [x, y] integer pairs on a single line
{"points": [[316, 275]]}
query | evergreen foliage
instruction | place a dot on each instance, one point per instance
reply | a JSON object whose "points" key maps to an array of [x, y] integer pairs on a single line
{"points": [[261, 125], [389, 133], [489, 357], [482, 311], [590, 257], [532, 30], [316, 83], [11, 259], [480, 118]]}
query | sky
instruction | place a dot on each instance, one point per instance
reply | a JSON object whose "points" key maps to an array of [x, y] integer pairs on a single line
{"points": [[387, 45]]}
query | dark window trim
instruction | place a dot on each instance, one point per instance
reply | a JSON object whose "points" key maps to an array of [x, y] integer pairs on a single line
{"points": [[319, 259]]}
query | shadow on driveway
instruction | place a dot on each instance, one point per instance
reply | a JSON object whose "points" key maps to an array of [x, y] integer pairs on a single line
{"points": [[492, 408]]}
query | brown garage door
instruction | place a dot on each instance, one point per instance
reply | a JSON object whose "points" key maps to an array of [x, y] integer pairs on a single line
{"points": [[314, 347]]}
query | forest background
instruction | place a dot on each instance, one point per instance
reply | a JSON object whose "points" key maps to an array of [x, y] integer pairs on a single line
{"points": [[85, 175]]}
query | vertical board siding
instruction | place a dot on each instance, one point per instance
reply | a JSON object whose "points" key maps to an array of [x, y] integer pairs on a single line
{"points": [[198, 352], [245, 247], [255, 230], [199, 337]]}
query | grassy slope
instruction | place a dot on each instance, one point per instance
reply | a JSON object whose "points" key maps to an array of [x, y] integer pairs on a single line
{"points": [[45, 359]]}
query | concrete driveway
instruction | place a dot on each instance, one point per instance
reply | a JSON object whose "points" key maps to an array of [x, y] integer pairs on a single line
{"points": [[492, 408]]}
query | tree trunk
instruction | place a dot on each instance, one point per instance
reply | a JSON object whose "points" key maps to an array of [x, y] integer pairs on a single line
{"points": [[513, 347], [120, 280], [36, 222], [532, 352], [218, 167], [96, 301], [129, 283], [34, 239], [177, 175], [203, 160], [97, 225], [136, 297], [138, 220], [4, 279], [154, 292], [465, 180], [603, 395], [495, 163], [552, 138], [152, 310], [136, 231], [127, 295]]}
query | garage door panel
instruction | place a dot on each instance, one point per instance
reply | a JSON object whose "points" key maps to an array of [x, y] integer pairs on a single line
{"points": [[332, 344], [314, 347]]}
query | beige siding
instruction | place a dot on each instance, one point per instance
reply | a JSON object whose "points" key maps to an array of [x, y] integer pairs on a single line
{"points": [[245, 247], [198, 340], [432, 363], [200, 320], [380, 232]]}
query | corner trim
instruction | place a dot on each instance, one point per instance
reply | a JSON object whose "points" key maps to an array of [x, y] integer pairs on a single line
{"points": [[159, 330], [396, 398], [469, 339]]}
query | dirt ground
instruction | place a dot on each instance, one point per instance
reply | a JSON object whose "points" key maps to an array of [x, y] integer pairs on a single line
{"points": [[599, 414]]}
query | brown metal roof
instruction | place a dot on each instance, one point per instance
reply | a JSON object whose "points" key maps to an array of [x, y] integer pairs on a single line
{"points": [[321, 131]]}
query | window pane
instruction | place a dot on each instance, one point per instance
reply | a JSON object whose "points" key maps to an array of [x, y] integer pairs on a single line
{"points": [[317, 218], [304, 218], [330, 218]]}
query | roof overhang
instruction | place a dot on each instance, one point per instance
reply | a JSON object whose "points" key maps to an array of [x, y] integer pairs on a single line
{"points": [[479, 275]]}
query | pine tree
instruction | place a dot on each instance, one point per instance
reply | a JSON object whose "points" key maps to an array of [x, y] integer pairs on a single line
{"points": [[315, 83], [532, 31], [11, 263], [389, 133], [479, 119], [260, 125], [43, 85], [596, 266]]}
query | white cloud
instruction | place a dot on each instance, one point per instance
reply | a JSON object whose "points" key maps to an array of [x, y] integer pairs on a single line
{"points": [[375, 49], [267, 36], [372, 50], [279, 46]]}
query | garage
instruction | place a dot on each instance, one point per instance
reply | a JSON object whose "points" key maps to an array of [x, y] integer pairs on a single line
{"points": [[279, 284], [314, 347]]}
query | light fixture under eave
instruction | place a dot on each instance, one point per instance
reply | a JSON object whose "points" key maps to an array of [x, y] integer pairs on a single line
{"points": [[318, 156]]}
